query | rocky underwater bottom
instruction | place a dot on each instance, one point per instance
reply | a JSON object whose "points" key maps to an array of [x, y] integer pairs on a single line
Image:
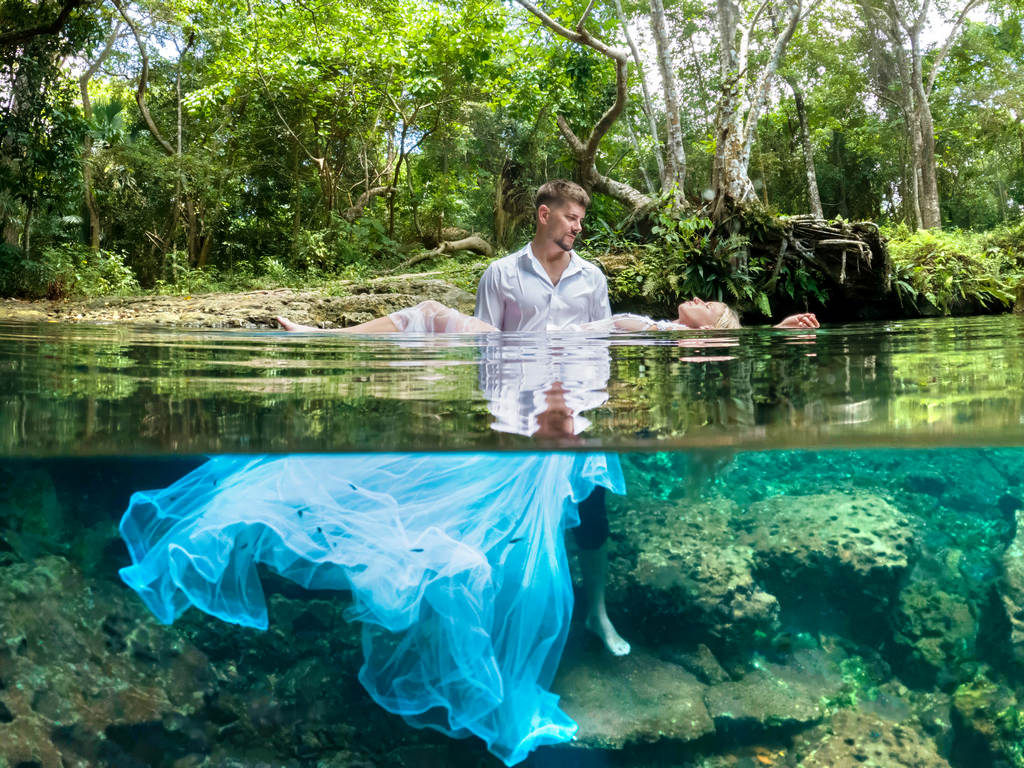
{"points": [[785, 608]]}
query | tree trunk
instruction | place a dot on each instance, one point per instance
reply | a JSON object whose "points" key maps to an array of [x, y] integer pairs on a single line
{"points": [[585, 153], [928, 191], [844, 201], [741, 103], [674, 174], [814, 198], [87, 193], [652, 120], [902, 25]]}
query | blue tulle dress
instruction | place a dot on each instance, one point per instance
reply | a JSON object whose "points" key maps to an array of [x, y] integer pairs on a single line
{"points": [[456, 565]]}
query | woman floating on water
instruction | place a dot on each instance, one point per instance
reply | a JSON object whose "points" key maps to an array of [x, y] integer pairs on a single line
{"points": [[434, 317]]}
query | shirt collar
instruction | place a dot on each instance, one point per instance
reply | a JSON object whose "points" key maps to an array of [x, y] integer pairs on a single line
{"points": [[527, 258]]}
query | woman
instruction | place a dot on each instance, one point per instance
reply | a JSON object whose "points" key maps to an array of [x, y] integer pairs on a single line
{"points": [[434, 317], [455, 563]]}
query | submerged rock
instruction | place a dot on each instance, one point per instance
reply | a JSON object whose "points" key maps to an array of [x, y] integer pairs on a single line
{"points": [[852, 739], [635, 698], [989, 720], [711, 567], [687, 565], [773, 695], [83, 680], [847, 538], [1012, 589], [936, 631], [762, 700]]}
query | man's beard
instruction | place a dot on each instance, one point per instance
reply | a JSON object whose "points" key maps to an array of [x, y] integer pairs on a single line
{"points": [[564, 243]]}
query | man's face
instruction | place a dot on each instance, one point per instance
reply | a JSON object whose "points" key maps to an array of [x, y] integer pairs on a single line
{"points": [[561, 223], [556, 420]]}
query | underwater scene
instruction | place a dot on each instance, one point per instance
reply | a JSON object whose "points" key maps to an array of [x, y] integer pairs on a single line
{"points": [[245, 549]]}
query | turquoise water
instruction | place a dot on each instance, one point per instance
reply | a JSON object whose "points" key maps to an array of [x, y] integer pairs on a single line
{"points": [[819, 560]]}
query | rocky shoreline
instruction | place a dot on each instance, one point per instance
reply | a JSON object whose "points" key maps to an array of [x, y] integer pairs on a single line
{"points": [[252, 309]]}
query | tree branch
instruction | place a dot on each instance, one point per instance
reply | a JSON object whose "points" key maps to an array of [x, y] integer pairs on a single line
{"points": [[582, 37], [55, 26], [648, 108], [355, 210], [140, 93], [953, 33], [583, 18]]}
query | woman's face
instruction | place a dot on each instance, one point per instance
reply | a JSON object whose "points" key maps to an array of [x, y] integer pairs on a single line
{"points": [[697, 313]]}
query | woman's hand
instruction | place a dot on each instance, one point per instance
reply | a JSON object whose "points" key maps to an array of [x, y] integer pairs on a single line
{"points": [[800, 320]]}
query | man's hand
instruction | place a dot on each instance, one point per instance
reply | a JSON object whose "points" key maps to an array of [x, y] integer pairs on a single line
{"points": [[801, 320]]}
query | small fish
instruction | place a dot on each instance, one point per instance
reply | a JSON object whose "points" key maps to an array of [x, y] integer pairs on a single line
{"points": [[765, 756]]}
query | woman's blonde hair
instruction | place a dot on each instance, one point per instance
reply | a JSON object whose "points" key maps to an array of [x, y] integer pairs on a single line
{"points": [[728, 318]]}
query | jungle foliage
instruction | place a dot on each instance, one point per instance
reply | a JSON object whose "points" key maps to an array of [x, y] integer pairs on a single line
{"points": [[196, 145]]}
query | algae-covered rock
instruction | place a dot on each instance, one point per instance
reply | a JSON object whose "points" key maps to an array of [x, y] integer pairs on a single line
{"points": [[700, 661], [687, 563], [990, 719], [1012, 589], [635, 698], [843, 537], [936, 631], [81, 672], [762, 700], [776, 695], [852, 739]]}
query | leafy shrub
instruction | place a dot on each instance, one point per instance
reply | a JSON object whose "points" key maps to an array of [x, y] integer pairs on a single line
{"points": [[60, 271], [682, 258], [946, 268], [329, 251]]}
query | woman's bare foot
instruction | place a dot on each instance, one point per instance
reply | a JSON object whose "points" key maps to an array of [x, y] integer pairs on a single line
{"points": [[601, 625], [288, 325]]}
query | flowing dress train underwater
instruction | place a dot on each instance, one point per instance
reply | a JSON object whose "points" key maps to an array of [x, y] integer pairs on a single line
{"points": [[456, 565]]}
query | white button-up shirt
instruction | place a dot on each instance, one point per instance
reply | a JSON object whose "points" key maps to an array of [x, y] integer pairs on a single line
{"points": [[516, 294]]}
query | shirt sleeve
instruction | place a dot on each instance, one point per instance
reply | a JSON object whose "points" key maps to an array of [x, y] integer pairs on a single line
{"points": [[490, 305], [601, 308]]}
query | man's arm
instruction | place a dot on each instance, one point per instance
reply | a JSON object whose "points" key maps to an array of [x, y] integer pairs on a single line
{"points": [[600, 307], [490, 305]]}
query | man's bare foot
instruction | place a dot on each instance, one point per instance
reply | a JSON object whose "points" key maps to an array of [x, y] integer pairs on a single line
{"points": [[288, 325], [601, 626]]}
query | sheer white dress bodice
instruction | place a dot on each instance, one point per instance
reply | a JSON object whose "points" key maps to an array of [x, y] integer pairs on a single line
{"points": [[434, 317]]}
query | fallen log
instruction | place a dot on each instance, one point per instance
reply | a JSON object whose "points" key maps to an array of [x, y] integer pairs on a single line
{"points": [[474, 243]]}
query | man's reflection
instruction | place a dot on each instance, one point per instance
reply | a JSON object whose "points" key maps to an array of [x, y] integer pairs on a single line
{"points": [[539, 386]]}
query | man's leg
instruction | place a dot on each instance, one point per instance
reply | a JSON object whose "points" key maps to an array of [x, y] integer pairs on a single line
{"points": [[592, 539]]}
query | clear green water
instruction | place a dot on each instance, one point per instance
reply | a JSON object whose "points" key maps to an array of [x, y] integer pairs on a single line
{"points": [[77, 390], [818, 562]]}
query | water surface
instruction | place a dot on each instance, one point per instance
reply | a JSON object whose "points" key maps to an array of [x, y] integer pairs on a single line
{"points": [[88, 390]]}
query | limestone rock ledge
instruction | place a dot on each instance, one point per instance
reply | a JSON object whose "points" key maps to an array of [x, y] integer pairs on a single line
{"points": [[253, 309]]}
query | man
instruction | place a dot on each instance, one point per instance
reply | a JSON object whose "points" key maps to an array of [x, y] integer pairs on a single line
{"points": [[547, 286]]}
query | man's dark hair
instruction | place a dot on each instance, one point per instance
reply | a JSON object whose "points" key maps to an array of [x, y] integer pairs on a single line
{"points": [[559, 192]]}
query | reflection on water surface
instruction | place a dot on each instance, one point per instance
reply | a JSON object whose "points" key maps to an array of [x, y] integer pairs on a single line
{"points": [[102, 390]]}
